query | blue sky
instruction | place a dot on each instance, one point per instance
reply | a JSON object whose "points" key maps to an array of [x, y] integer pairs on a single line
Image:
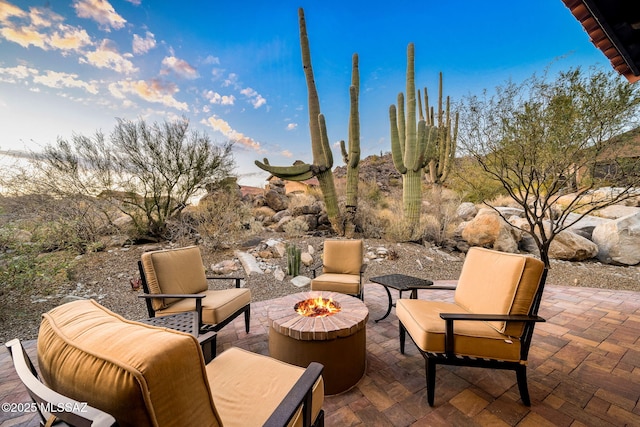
{"points": [[233, 68]]}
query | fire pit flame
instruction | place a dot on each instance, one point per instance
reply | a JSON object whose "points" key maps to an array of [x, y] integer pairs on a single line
{"points": [[317, 307]]}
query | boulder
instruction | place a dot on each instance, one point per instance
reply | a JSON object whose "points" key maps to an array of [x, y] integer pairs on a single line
{"points": [[306, 258], [619, 240], [264, 211], [301, 281], [249, 263], [466, 211], [489, 230], [569, 246], [617, 211], [276, 200]]}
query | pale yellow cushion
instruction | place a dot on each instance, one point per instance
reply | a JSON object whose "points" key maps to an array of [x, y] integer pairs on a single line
{"points": [[247, 387], [140, 374], [494, 282], [174, 271], [342, 256], [422, 321], [333, 282], [217, 305]]}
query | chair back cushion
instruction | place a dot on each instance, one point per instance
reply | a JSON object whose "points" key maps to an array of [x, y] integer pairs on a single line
{"points": [[140, 374], [174, 271], [493, 282], [343, 256]]}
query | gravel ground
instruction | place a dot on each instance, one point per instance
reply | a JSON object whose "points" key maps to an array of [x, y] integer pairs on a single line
{"points": [[105, 276]]}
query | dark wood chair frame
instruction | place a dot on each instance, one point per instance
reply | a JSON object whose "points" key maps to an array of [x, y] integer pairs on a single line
{"points": [[148, 296], [449, 357], [363, 268], [74, 413], [50, 404]]}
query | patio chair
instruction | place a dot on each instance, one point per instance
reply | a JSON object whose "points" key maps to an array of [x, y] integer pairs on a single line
{"points": [[143, 375], [51, 406], [489, 324], [174, 281], [342, 268]]}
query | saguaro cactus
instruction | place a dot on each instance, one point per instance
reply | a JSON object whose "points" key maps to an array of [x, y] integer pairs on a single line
{"points": [[351, 156], [320, 148], [441, 151], [409, 142]]}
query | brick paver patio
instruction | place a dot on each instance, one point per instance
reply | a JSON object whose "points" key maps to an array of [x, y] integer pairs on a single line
{"points": [[584, 370]]}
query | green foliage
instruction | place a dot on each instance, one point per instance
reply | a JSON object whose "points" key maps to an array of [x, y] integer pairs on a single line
{"points": [[148, 172], [538, 137]]}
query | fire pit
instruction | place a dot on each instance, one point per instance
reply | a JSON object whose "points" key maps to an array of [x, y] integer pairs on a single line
{"points": [[330, 330]]}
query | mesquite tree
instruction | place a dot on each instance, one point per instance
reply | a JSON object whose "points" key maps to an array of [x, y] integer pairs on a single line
{"points": [[545, 137]]}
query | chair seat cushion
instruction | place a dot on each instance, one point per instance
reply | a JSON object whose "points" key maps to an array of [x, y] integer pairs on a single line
{"points": [[140, 374], [216, 306], [247, 387], [334, 282], [422, 321]]}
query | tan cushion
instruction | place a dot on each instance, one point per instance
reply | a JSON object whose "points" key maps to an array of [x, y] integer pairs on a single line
{"points": [[140, 374], [174, 271], [342, 256], [216, 306], [498, 283], [422, 321], [332, 282], [247, 387]]}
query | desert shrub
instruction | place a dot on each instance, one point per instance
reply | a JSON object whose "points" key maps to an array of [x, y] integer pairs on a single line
{"points": [[469, 179], [297, 227], [439, 214], [218, 221]]}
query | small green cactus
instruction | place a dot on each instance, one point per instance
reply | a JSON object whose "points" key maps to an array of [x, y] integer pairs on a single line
{"points": [[293, 260]]}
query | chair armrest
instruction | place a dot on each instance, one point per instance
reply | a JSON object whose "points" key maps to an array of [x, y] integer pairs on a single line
{"points": [[450, 317], [198, 296], [236, 278], [300, 394]]}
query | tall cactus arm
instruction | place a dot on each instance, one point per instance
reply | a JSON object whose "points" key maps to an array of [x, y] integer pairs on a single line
{"points": [[401, 126], [343, 150], [313, 99], [396, 147], [354, 129], [410, 151], [327, 154]]}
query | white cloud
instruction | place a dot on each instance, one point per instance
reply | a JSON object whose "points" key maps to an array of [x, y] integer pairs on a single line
{"points": [[7, 10], [231, 80], [69, 38], [211, 60], [286, 153], [216, 98], [254, 97], [24, 36], [292, 126], [100, 11], [152, 91], [107, 56], [178, 66], [60, 80], [144, 44], [16, 74], [220, 125]]}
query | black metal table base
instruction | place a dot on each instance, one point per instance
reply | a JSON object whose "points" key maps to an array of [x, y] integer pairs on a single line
{"points": [[404, 283]]}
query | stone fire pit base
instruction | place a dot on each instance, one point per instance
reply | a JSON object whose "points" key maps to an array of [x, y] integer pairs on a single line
{"points": [[337, 341]]}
